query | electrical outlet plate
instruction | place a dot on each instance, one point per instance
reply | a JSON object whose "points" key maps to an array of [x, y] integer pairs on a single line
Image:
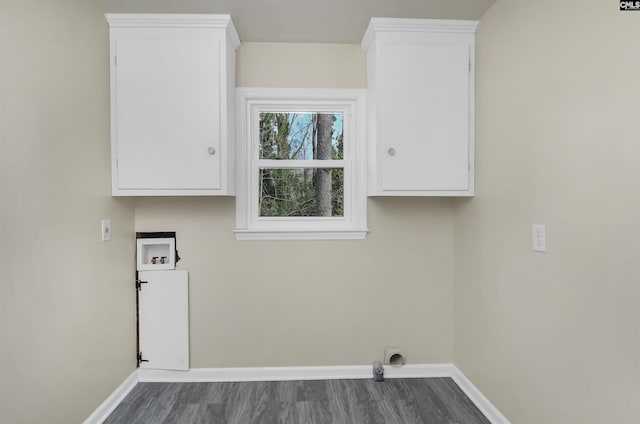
{"points": [[539, 234], [106, 229]]}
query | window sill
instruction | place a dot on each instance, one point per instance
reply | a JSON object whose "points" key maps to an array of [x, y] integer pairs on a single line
{"points": [[301, 234]]}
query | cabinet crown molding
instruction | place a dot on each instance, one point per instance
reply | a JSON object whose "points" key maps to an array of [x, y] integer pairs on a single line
{"points": [[447, 26], [172, 20]]}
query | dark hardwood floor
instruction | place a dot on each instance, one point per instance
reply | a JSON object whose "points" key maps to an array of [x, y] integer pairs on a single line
{"points": [[394, 401]]}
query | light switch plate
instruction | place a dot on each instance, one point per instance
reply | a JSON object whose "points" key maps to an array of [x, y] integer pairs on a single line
{"points": [[539, 234], [106, 229]]}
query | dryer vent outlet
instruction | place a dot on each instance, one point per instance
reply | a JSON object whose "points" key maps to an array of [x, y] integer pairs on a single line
{"points": [[394, 356]]}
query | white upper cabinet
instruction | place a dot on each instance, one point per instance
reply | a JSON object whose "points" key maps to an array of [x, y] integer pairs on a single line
{"points": [[420, 77], [172, 104]]}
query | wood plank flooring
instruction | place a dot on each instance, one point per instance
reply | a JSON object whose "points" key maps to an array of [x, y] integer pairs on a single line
{"points": [[394, 401]]}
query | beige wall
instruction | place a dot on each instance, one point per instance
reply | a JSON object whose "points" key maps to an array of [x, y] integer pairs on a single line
{"points": [[301, 65], [288, 303], [67, 306], [555, 337]]}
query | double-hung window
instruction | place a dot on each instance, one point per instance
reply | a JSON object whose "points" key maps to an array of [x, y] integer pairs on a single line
{"points": [[301, 164]]}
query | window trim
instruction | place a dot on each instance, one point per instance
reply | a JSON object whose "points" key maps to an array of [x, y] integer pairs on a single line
{"points": [[351, 102]]}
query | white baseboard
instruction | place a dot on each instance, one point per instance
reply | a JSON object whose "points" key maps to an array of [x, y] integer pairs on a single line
{"points": [[298, 373], [293, 373], [484, 405], [114, 399]]}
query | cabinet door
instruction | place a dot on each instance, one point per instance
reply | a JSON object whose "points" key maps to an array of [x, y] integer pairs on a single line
{"points": [[423, 122], [163, 319], [167, 102]]}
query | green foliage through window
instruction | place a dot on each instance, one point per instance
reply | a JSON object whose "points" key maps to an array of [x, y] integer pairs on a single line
{"points": [[293, 192], [308, 190]]}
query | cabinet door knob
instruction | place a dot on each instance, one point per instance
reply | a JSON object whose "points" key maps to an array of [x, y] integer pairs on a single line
{"points": [[391, 151], [211, 151]]}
